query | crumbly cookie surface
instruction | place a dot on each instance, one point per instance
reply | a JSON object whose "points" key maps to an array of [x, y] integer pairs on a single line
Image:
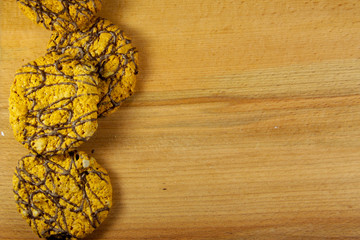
{"points": [[117, 60], [61, 15], [64, 196], [53, 104]]}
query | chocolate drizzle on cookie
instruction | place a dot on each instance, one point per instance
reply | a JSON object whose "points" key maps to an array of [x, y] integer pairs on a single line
{"points": [[38, 129], [116, 49], [70, 15], [34, 191]]}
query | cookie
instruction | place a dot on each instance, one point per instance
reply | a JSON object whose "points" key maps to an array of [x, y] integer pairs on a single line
{"points": [[53, 104], [63, 196], [117, 60], [61, 15]]}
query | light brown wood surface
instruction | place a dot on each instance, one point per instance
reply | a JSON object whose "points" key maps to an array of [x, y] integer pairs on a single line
{"points": [[245, 123]]}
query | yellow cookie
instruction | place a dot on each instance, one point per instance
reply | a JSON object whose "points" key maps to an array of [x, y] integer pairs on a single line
{"points": [[117, 60], [53, 104], [64, 196], [61, 15]]}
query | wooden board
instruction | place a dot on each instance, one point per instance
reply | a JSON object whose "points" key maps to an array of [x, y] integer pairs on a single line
{"points": [[245, 124]]}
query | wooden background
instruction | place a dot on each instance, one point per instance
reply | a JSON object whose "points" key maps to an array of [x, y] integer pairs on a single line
{"points": [[245, 124]]}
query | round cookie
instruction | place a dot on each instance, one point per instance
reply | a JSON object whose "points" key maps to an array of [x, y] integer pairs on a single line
{"points": [[61, 15], [53, 104], [116, 59], [63, 196]]}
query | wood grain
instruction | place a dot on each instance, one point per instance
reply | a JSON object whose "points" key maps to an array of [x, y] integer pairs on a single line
{"points": [[245, 124]]}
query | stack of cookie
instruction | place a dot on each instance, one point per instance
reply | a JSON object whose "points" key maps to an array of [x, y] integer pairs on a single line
{"points": [[89, 69]]}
